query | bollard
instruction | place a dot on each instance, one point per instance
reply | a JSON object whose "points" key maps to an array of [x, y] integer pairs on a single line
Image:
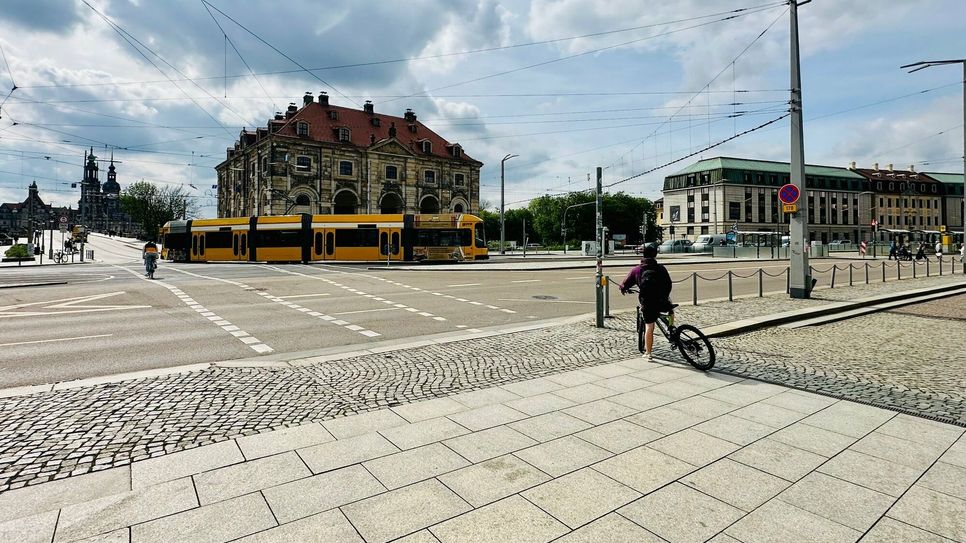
{"points": [[940, 267], [914, 269], [834, 267], [607, 297], [883, 272], [731, 297], [850, 274], [694, 288], [761, 283], [788, 280], [899, 271], [927, 267], [866, 273]]}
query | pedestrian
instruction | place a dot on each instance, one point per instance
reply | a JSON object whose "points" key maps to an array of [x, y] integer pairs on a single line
{"points": [[962, 252], [892, 249], [939, 251], [654, 293], [921, 252]]}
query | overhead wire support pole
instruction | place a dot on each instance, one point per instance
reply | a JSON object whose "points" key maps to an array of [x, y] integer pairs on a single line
{"points": [[502, 200], [800, 280], [600, 249]]}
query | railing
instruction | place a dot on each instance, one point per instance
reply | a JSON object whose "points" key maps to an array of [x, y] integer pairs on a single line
{"points": [[867, 272]]}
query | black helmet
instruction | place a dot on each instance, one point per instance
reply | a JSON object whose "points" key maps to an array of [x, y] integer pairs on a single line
{"points": [[649, 251]]}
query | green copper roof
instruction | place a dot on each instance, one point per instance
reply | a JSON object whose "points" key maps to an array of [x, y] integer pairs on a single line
{"points": [[955, 178], [729, 163]]}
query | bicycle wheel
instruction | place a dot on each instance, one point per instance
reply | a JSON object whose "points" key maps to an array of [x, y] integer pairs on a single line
{"points": [[640, 330], [694, 347]]}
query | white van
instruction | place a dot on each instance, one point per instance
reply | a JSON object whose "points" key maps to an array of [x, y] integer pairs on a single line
{"points": [[707, 242]]}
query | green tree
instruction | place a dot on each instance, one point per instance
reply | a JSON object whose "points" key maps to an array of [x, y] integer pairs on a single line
{"points": [[151, 207], [622, 214]]}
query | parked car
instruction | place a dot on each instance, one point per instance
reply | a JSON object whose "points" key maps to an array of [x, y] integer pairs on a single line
{"points": [[707, 242], [675, 246]]}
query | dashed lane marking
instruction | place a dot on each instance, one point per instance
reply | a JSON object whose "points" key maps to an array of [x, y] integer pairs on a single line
{"points": [[282, 301], [246, 338], [465, 285], [304, 296], [526, 281]]}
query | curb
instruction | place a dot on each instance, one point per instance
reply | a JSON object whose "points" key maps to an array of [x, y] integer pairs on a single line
{"points": [[18, 285], [832, 308], [549, 267]]}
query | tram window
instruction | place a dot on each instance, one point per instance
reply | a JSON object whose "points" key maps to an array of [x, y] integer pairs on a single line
{"points": [[319, 246], [234, 244], [176, 241], [480, 236], [218, 240], [278, 238], [329, 243], [244, 244], [194, 244], [383, 243], [395, 243], [449, 237], [357, 237], [201, 245]]}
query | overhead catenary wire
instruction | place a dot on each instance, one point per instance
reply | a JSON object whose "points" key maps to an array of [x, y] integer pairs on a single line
{"points": [[737, 14], [126, 36], [228, 41], [279, 51]]}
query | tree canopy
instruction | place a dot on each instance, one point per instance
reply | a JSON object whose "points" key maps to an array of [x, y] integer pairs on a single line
{"points": [[151, 207]]}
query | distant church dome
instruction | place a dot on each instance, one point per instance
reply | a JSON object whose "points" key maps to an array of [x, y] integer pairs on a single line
{"points": [[111, 186]]}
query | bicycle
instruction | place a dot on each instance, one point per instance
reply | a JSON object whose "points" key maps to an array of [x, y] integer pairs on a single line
{"points": [[60, 257], [693, 345]]}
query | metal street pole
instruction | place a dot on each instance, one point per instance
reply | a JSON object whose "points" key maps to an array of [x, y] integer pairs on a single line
{"points": [[502, 200], [929, 64], [600, 249], [800, 280]]}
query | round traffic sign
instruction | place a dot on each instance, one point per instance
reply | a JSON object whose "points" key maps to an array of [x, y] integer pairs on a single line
{"points": [[63, 220], [788, 194]]}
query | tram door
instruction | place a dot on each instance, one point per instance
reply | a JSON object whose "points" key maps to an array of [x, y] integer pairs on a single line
{"points": [[389, 246]]}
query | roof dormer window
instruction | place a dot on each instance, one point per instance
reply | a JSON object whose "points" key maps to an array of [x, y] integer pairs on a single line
{"points": [[427, 146], [457, 151], [333, 115], [302, 129], [344, 134]]}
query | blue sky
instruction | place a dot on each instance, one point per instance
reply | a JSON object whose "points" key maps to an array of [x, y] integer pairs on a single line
{"points": [[628, 107]]}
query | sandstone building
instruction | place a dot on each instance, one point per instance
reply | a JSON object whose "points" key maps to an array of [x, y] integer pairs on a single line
{"points": [[324, 159]]}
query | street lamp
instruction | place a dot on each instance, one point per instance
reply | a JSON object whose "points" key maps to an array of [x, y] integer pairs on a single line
{"points": [[502, 200], [916, 66]]}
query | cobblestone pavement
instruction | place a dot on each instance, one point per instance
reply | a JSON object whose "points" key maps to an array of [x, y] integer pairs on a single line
{"points": [[63, 433]]}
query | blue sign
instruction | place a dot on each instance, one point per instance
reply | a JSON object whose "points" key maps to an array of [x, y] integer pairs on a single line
{"points": [[730, 236]]}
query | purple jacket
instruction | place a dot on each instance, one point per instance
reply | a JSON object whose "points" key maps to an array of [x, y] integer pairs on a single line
{"points": [[634, 277]]}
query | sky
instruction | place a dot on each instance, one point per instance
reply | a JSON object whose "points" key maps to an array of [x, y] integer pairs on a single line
{"points": [[567, 85]]}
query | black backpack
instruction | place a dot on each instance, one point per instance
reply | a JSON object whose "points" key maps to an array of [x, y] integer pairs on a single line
{"points": [[649, 285]]}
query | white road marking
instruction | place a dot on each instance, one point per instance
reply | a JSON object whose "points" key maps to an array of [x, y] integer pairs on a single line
{"points": [[73, 305], [526, 281], [304, 296], [367, 311], [53, 340], [465, 285], [368, 333], [242, 336], [576, 278]]}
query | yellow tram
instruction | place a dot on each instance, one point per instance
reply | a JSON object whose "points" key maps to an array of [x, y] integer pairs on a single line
{"points": [[307, 238]]}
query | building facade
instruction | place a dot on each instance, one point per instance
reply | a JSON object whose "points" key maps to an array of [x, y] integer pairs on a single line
{"points": [[717, 194], [19, 219], [323, 159], [99, 207]]}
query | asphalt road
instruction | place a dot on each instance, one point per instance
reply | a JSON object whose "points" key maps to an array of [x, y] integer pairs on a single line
{"points": [[108, 318]]}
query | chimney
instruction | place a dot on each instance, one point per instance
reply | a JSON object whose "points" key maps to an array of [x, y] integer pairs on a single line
{"points": [[875, 166], [912, 168], [323, 98], [852, 165], [307, 99], [368, 107], [279, 116], [290, 112], [410, 116], [890, 166]]}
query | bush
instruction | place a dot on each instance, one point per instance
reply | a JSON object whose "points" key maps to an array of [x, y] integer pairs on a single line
{"points": [[17, 251]]}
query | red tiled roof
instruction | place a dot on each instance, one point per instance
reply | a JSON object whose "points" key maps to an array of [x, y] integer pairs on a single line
{"points": [[361, 129]]}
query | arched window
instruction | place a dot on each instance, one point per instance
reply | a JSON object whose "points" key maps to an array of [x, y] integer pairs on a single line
{"points": [[429, 205], [302, 200]]}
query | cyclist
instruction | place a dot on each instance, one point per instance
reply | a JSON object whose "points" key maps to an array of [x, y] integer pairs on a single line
{"points": [[150, 256], [654, 291]]}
